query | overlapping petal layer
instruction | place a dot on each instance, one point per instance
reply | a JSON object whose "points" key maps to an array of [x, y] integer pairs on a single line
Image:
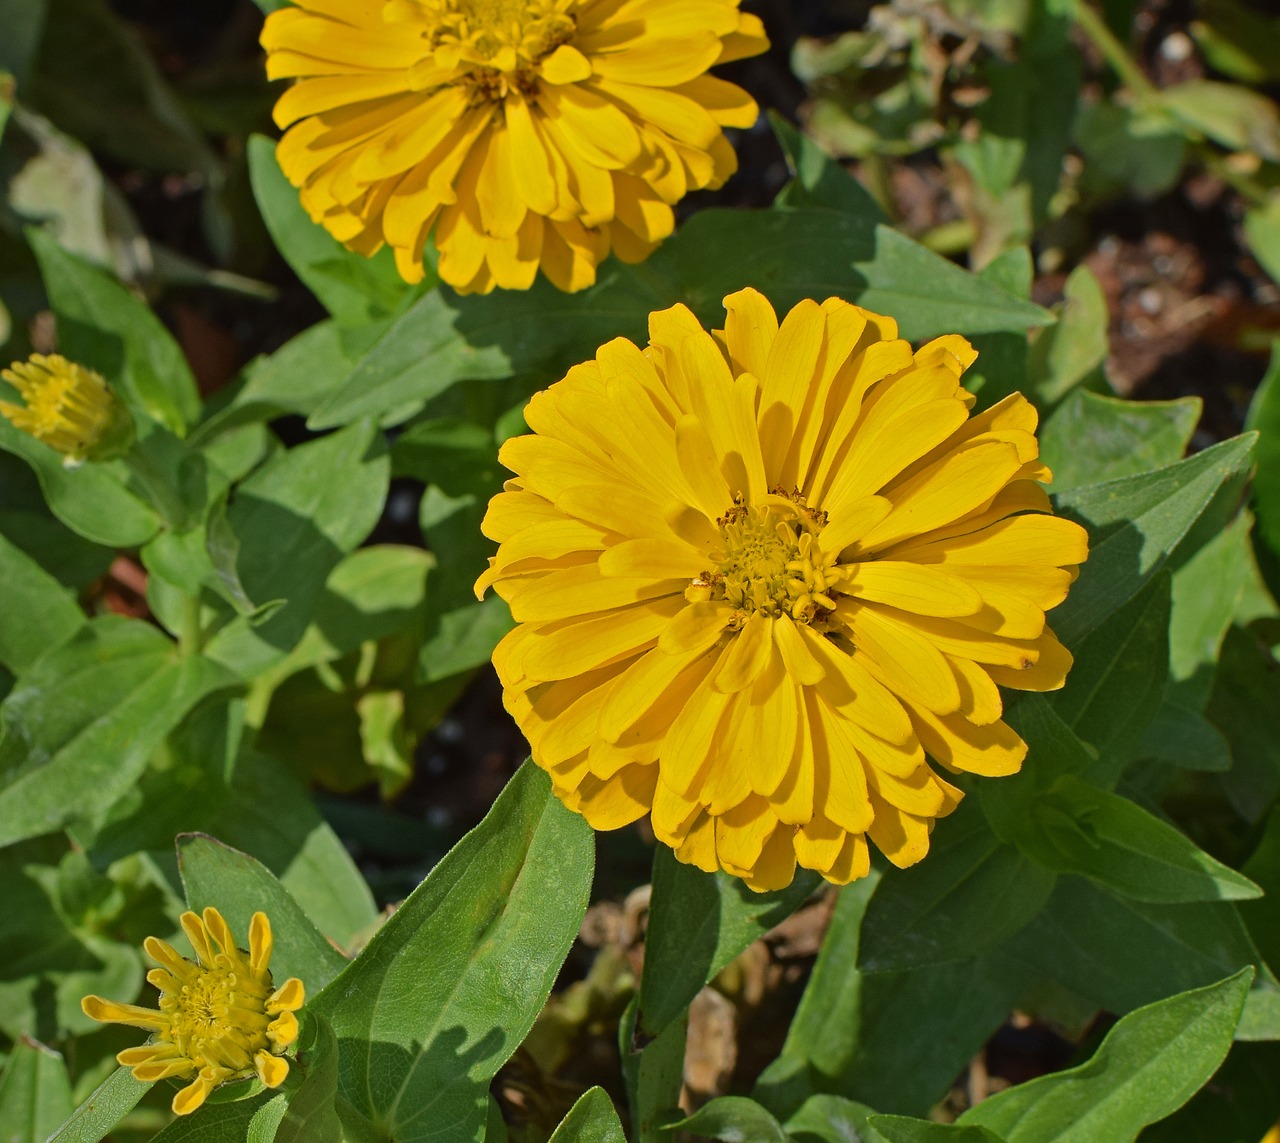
{"points": [[763, 576], [528, 133], [219, 1018]]}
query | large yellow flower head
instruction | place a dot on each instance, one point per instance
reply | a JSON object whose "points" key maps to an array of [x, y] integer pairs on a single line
{"points": [[68, 407], [529, 133], [219, 1017], [760, 574]]}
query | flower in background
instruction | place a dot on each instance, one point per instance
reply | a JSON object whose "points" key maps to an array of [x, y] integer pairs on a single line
{"points": [[68, 407], [219, 1018], [759, 574], [528, 133]]}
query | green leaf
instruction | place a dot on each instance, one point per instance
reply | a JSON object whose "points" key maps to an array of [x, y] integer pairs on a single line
{"points": [[237, 886], [1186, 739], [1136, 522], [296, 517], [464, 639], [1264, 418], [1116, 842], [653, 1070], [310, 1115], [1119, 954], [698, 922], [591, 1120], [102, 325], [899, 1129], [1248, 683], [1263, 867], [974, 892], [39, 613], [353, 288], [215, 1123], [1148, 1066], [846, 1038], [80, 726], [1262, 232], [733, 1119], [830, 1119], [91, 500], [1238, 41], [1092, 437], [35, 1093], [1065, 355], [1117, 682], [817, 180], [789, 255], [1207, 590], [110, 1102], [450, 985], [1227, 113]]}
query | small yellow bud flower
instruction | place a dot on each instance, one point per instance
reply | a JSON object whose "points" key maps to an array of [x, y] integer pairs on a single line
{"points": [[68, 407], [218, 1018]]}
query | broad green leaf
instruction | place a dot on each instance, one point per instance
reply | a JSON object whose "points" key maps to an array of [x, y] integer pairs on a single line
{"points": [[53, 949], [237, 886], [295, 518], [1263, 867], [1264, 418], [215, 1123], [899, 1129], [35, 1093], [1065, 355], [102, 325], [788, 254], [817, 180], [353, 288], [92, 500], [1119, 954], [847, 1038], [973, 893], [733, 1119], [1248, 683], [1262, 232], [653, 1070], [310, 1116], [27, 523], [830, 1119], [1186, 739], [698, 922], [1136, 522], [1118, 679], [110, 1102], [1115, 841], [464, 639], [1228, 113], [293, 379], [1149, 1065], [373, 593], [1207, 590], [450, 985], [39, 613], [80, 726], [591, 1120], [1238, 1105], [1092, 437], [1238, 41]]}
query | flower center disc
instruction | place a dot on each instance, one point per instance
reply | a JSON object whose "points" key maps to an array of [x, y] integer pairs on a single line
{"points": [[219, 1016], [770, 561]]}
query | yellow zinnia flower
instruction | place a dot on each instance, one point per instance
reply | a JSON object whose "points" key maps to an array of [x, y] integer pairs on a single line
{"points": [[219, 1018], [759, 573], [68, 407], [527, 132]]}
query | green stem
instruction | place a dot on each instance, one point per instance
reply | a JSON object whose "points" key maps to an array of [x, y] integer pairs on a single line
{"points": [[1114, 52], [190, 634]]}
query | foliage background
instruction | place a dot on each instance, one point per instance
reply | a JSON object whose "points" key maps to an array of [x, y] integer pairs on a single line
{"points": [[1124, 181]]}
